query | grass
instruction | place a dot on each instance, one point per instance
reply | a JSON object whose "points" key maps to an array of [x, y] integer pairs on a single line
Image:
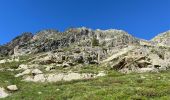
{"points": [[114, 86]]}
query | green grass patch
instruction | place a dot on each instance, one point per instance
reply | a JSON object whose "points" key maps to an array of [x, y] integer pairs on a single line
{"points": [[114, 86]]}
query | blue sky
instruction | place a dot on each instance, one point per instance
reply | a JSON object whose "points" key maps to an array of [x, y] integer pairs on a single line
{"points": [[141, 18]]}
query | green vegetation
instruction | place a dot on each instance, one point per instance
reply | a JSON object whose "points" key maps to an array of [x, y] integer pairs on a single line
{"points": [[114, 86], [15, 64], [12, 65]]}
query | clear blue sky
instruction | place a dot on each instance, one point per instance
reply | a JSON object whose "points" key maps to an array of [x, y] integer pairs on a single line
{"points": [[141, 18]]}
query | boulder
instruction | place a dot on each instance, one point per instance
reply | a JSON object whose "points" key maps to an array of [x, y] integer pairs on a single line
{"points": [[36, 78], [143, 70], [12, 87], [3, 61], [72, 76], [3, 94], [22, 67], [39, 78], [55, 77]]}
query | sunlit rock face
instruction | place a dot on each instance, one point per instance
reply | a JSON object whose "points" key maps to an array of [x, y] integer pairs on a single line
{"points": [[163, 39]]}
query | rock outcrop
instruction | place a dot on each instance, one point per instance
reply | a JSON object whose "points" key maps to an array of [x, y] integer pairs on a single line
{"points": [[12, 88], [52, 49], [163, 39], [19, 41]]}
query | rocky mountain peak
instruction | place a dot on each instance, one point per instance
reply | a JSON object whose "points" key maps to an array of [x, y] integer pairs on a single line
{"points": [[114, 38], [8, 49], [162, 39], [19, 40], [45, 34]]}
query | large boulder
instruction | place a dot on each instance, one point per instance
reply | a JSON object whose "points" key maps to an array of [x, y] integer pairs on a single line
{"points": [[3, 94], [55, 77], [12, 87], [36, 78]]}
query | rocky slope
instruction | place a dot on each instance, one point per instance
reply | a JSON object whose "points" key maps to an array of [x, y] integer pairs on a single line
{"points": [[48, 51], [79, 54]]}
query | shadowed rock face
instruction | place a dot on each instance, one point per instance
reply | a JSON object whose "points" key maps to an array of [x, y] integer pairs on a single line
{"points": [[8, 49], [4, 50], [20, 40]]}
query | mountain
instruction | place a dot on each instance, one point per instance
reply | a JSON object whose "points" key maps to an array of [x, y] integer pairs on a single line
{"points": [[51, 56], [76, 47]]}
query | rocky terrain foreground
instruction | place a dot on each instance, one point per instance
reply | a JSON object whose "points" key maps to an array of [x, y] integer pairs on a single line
{"points": [[82, 63]]}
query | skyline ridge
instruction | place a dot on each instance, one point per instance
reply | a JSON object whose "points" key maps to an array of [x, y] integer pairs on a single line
{"points": [[143, 19], [34, 33]]}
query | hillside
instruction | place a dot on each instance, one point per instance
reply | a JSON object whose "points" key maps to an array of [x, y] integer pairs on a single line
{"points": [[82, 63]]}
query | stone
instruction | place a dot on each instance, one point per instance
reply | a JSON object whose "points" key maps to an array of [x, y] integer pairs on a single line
{"points": [[72, 76], [39, 93], [143, 70], [28, 78], [3, 94], [22, 67], [48, 68], [88, 76], [55, 77], [3, 61], [36, 78], [39, 78], [9, 69], [142, 77], [12, 87], [101, 74]]}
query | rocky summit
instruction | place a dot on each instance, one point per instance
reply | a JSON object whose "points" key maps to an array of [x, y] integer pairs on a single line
{"points": [[51, 56]]}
